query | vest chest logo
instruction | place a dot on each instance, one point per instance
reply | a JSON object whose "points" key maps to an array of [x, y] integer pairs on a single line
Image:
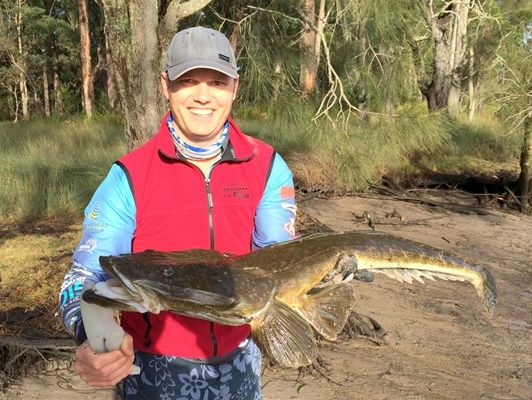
{"points": [[236, 191]]}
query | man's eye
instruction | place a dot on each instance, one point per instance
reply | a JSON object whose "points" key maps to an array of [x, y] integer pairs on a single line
{"points": [[186, 81], [218, 83]]}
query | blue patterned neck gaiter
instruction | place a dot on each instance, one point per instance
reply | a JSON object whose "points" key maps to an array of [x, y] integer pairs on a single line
{"points": [[194, 152]]}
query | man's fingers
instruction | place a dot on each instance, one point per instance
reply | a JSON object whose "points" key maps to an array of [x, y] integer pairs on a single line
{"points": [[97, 361], [104, 369], [108, 376]]}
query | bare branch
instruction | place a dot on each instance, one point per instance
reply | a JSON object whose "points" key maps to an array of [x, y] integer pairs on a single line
{"points": [[178, 10], [336, 93]]}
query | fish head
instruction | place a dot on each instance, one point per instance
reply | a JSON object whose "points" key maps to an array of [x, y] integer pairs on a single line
{"points": [[199, 283]]}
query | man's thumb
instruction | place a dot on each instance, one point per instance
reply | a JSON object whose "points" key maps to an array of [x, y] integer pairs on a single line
{"points": [[127, 345]]}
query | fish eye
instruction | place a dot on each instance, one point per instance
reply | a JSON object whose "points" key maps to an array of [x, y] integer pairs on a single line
{"points": [[168, 271]]}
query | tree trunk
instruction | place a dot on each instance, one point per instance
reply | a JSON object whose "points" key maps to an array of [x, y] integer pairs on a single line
{"points": [[46, 93], [24, 97], [320, 25], [15, 102], [58, 95], [449, 30], [458, 47], [137, 37], [525, 177], [309, 67], [85, 52], [235, 31], [112, 95], [471, 84]]}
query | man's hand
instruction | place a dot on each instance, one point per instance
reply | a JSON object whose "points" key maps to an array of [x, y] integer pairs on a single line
{"points": [[105, 369]]}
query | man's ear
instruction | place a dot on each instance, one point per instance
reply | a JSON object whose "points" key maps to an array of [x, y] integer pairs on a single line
{"points": [[164, 85], [235, 88]]}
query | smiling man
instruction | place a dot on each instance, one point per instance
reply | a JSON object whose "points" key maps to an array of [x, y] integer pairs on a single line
{"points": [[199, 183]]}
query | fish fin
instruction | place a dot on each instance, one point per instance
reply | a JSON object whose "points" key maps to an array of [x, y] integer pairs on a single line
{"points": [[285, 337], [327, 309], [482, 280], [487, 291]]}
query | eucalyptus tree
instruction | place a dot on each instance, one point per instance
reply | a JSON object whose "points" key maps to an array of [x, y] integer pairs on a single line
{"points": [[85, 53], [13, 44], [448, 21], [31, 38], [484, 38], [138, 32], [380, 51], [311, 44], [514, 91]]}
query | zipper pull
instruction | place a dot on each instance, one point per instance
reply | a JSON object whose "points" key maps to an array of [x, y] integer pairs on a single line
{"points": [[209, 195]]}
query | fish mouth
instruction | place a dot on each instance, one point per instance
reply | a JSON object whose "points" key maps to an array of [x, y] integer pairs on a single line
{"points": [[144, 296]]}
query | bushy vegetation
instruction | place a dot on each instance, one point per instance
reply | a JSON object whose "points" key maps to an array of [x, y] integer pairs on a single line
{"points": [[50, 168]]}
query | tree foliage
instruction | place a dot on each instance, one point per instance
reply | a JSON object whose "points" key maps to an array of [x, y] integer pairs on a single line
{"points": [[376, 57]]}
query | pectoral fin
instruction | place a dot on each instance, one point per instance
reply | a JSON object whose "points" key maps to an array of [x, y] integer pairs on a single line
{"points": [[285, 337], [327, 309]]}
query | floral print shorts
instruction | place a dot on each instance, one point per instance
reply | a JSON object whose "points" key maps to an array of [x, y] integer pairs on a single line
{"points": [[174, 378]]}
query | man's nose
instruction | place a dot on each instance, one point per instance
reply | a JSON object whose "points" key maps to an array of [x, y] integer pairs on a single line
{"points": [[202, 93]]}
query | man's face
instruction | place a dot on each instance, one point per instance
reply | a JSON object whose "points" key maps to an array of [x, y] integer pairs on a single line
{"points": [[200, 101]]}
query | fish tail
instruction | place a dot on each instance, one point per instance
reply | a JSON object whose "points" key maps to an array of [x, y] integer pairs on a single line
{"points": [[487, 291], [327, 309], [285, 337], [404, 267]]}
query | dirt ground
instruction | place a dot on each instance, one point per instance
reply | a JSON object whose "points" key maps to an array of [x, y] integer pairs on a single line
{"points": [[440, 344]]}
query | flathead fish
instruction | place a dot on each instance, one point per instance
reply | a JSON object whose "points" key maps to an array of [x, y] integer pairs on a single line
{"points": [[281, 289]]}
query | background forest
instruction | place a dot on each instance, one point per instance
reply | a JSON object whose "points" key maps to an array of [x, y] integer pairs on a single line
{"points": [[351, 92]]}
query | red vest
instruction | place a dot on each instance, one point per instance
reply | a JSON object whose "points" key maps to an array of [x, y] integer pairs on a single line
{"points": [[178, 209]]}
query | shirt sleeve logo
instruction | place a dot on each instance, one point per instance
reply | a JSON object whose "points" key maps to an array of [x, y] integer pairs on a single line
{"points": [[287, 192], [95, 212], [88, 246]]}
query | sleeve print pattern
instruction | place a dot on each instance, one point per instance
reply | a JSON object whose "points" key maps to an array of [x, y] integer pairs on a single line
{"points": [[70, 294], [107, 230], [276, 213]]}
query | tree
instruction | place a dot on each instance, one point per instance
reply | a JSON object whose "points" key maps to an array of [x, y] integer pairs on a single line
{"points": [[85, 52], [36, 41], [19, 60], [515, 88], [448, 26], [311, 45], [138, 33]]}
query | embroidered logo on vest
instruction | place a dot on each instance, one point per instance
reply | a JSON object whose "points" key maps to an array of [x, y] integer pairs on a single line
{"points": [[236, 191]]}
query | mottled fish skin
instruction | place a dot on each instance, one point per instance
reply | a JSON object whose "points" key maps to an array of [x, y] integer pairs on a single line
{"points": [[282, 288], [398, 258], [199, 283]]}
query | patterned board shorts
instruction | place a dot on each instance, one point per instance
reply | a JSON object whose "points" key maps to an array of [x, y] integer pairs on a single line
{"points": [[174, 378]]}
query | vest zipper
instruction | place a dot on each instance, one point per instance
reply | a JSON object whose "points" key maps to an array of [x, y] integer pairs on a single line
{"points": [[214, 341], [209, 206], [211, 234]]}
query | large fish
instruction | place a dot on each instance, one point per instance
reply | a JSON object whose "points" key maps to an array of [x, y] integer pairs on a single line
{"points": [[224, 289], [280, 288]]}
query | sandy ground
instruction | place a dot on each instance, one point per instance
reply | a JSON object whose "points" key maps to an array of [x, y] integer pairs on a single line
{"points": [[440, 344]]}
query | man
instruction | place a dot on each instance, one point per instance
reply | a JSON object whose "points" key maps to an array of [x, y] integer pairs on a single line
{"points": [[199, 183]]}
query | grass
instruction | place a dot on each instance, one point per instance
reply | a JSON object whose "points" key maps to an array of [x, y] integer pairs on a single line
{"points": [[340, 159], [51, 167], [32, 267]]}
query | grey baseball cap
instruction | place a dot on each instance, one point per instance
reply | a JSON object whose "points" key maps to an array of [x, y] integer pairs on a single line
{"points": [[200, 47]]}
